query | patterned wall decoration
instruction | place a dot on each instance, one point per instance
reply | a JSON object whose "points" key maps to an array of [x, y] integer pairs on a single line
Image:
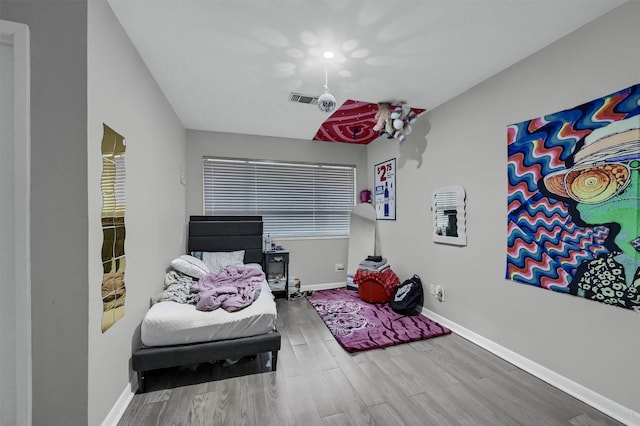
{"points": [[113, 228], [574, 200], [353, 122]]}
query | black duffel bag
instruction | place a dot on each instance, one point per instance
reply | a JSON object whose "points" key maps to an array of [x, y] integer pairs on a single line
{"points": [[407, 296]]}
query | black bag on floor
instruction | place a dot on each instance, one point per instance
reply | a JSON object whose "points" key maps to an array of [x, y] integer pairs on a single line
{"points": [[407, 296]]}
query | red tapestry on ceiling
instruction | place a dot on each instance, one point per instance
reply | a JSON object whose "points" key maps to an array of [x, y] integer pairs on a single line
{"points": [[352, 123]]}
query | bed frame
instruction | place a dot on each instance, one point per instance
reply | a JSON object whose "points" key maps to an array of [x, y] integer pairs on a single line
{"points": [[214, 233]]}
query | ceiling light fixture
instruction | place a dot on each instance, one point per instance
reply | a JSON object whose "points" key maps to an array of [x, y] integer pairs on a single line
{"points": [[326, 101]]}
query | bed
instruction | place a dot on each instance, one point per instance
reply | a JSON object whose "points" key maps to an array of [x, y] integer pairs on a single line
{"points": [[251, 331]]}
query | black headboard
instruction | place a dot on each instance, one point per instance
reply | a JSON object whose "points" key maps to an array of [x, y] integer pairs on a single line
{"points": [[227, 233]]}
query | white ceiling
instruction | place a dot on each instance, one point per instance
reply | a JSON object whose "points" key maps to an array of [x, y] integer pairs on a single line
{"points": [[229, 65]]}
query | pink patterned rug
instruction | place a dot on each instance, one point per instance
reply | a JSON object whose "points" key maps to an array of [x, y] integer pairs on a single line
{"points": [[360, 326]]}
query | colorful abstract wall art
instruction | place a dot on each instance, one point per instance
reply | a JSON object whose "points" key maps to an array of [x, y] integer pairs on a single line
{"points": [[574, 200]]}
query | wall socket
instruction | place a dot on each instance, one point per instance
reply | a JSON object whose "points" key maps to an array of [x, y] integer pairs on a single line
{"points": [[339, 267], [439, 293]]}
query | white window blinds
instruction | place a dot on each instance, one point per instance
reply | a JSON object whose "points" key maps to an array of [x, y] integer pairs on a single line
{"points": [[294, 199], [446, 211]]}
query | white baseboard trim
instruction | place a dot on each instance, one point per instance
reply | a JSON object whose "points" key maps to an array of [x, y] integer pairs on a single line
{"points": [[325, 286], [601, 403], [120, 406]]}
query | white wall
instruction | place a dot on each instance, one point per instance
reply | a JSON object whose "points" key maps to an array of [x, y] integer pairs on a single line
{"points": [[123, 94], [464, 142], [311, 260]]}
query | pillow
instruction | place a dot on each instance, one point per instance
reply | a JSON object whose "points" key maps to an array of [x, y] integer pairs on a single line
{"points": [[190, 265], [218, 260]]}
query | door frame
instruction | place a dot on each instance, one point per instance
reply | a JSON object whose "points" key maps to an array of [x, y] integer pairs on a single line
{"points": [[17, 36]]}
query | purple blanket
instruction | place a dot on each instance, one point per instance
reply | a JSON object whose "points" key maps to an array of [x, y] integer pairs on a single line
{"points": [[232, 288]]}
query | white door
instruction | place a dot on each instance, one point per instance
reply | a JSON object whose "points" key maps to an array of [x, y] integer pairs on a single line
{"points": [[15, 265]]}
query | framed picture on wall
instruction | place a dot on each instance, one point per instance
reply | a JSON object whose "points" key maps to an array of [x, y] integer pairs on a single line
{"points": [[385, 189]]}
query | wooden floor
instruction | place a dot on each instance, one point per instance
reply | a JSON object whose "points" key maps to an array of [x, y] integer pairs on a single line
{"points": [[442, 381]]}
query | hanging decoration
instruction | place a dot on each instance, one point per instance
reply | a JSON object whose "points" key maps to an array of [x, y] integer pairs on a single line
{"points": [[394, 121], [362, 122], [354, 122], [326, 101]]}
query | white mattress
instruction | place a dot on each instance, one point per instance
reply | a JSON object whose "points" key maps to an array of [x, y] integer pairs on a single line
{"points": [[172, 323]]}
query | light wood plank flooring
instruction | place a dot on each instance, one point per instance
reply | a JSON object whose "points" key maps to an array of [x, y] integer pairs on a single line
{"points": [[442, 381]]}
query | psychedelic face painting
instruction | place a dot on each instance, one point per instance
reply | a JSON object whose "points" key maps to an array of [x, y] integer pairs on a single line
{"points": [[574, 200]]}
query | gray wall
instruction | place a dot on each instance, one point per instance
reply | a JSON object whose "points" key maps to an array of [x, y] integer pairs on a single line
{"points": [[464, 142], [78, 373], [85, 72], [58, 206], [311, 260], [123, 94]]}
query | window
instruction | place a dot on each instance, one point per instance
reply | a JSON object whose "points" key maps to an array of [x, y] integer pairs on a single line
{"points": [[294, 199]]}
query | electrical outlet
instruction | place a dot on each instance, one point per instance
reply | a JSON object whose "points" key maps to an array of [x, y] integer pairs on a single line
{"points": [[432, 289], [339, 267], [440, 294]]}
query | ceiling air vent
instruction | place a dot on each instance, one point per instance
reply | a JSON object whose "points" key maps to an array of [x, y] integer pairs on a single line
{"points": [[303, 99]]}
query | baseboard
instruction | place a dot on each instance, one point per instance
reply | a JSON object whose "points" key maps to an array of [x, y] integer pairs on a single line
{"points": [[586, 395], [120, 406], [325, 286]]}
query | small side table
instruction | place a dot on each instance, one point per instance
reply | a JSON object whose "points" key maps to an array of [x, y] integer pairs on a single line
{"points": [[276, 268]]}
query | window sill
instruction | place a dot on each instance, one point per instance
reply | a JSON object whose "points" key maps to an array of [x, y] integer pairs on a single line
{"points": [[319, 237]]}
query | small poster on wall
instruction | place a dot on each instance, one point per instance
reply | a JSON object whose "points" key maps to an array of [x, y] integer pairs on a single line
{"points": [[385, 190]]}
